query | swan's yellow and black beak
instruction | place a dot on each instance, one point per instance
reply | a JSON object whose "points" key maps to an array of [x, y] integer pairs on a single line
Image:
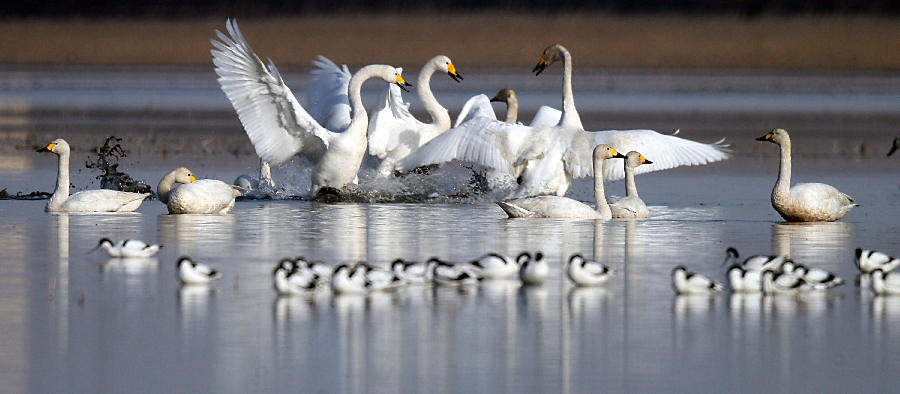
{"points": [[767, 137], [48, 148], [402, 83], [496, 97], [192, 178], [542, 64], [645, 161], [616, 154], [451, 70]]}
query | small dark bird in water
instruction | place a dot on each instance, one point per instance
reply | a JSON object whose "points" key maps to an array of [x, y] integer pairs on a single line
{"points": [[894, 146]]}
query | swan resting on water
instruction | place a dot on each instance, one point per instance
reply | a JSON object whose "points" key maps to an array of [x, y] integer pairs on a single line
{"points": [[804, 202], [193, 196], [279, 127], [564, 207], [631, 206], [88, 200]]}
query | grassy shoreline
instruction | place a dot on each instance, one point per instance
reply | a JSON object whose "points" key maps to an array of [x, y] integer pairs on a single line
{"points": [[483, 39]]}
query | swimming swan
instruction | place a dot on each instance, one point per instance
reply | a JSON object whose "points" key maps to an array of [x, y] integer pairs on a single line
{"points": [[394, 132], [564, 207], [193, 196], [277, 124], [804, 202], [631, 206], [101, 200], [554, 156], [544, 117]]}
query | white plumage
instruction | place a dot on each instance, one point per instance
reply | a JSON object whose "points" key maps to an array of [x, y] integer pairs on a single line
{"points": [[413, 272], [783, 283], [630, 206], [534, 271], [129, 248], [885, 283], [685, 282], [870, 260], [804, 202], [345, 281], [88, 200], [292, 279], [496, 266], [817, 279], [755, 262], [394, 132], [278, 126], [192, 273], [744, 281], [447, 274], [587, 273], [183, 193]]}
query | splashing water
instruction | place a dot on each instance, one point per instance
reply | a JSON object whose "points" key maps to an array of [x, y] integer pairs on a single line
{"points": [[107, 159]]}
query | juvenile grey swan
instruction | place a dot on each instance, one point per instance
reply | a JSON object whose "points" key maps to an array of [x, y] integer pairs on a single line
{"points": [[804, 202]]}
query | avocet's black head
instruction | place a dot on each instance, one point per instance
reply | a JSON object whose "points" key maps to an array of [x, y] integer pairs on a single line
{"points": [[104, 240], [679, 268], [184, 259], [538, 256], [858, 253], [285, 264], [732, 252], [340, 267], [523, 257], [576, 256]]}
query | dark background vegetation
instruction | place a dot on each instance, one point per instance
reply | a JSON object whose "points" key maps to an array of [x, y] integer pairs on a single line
{"points": [[246, 8]]}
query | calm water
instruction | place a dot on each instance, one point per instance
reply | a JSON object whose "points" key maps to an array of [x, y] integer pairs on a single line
{"points": [[81, 322]]}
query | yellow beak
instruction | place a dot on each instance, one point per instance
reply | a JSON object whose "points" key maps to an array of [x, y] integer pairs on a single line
{"points": [[193, 179]]}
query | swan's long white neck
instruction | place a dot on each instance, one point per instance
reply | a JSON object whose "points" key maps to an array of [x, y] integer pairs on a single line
{"points": [[61, 194], [569, 114], [356, 105], [440, 118], [512, 109], [600, 203], [630, 187], [783, 185]]}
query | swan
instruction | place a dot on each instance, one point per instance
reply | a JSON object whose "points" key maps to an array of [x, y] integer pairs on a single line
{"points": [[279, 127], [101, 200], [631, 206], [553, 156], [587, 273], [544, 117], [129, 248], [394, 132], [249, 183], [193, 196], [870, 260], [192, 273], [564, 207], [685, 282], [804, 202], [533, 272], [885, 283]]}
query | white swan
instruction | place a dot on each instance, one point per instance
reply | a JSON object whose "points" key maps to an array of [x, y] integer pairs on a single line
{"points": [[192, 273], [249, 183], [870, 260], [193, 196], [129, 248], [394, 132], [685, 282], [87, 200], [544, 117], [804, 202], [631, 206], [279, 127], [564, 207], [587, 273], [554, 156]]}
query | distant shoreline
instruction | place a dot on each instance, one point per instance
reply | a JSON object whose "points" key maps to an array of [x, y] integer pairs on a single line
{"points": [[480, 39]]}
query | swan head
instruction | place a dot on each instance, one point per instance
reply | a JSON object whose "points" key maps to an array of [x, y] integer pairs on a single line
{"points": [[634, 159], [505, 95], [58, 146], [182, 175], [603, 152], [551, 54], [388, 74], [776, 136], [444, 63]]}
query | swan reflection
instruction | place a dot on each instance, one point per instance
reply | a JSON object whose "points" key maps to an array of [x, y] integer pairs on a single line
{"points": [[196, 234]]}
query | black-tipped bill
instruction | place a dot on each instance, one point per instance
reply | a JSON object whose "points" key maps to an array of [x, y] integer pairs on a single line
{"points": [[766, 137], [456, 77], [539, 67], [403, 85]]}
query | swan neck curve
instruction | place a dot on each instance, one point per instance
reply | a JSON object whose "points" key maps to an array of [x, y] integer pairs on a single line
{"points": [[600, 203], [570, 114], [512, 109], [165, 186], [783, 185], [630, 187], [359, 115], [439, 116], [61, 194]]}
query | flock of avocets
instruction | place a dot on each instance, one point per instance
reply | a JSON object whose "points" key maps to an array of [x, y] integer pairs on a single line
{"points": [[536, 163], [771, 275]]}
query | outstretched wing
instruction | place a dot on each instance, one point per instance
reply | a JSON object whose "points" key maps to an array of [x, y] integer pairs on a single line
{"points": [[277, 125], [665, 151], [546, 117], [481, 140], [477, 106], [326, 94], [391, 125]]}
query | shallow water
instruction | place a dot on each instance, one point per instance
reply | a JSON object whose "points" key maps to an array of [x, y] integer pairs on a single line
{"points": [[80, 322]]}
